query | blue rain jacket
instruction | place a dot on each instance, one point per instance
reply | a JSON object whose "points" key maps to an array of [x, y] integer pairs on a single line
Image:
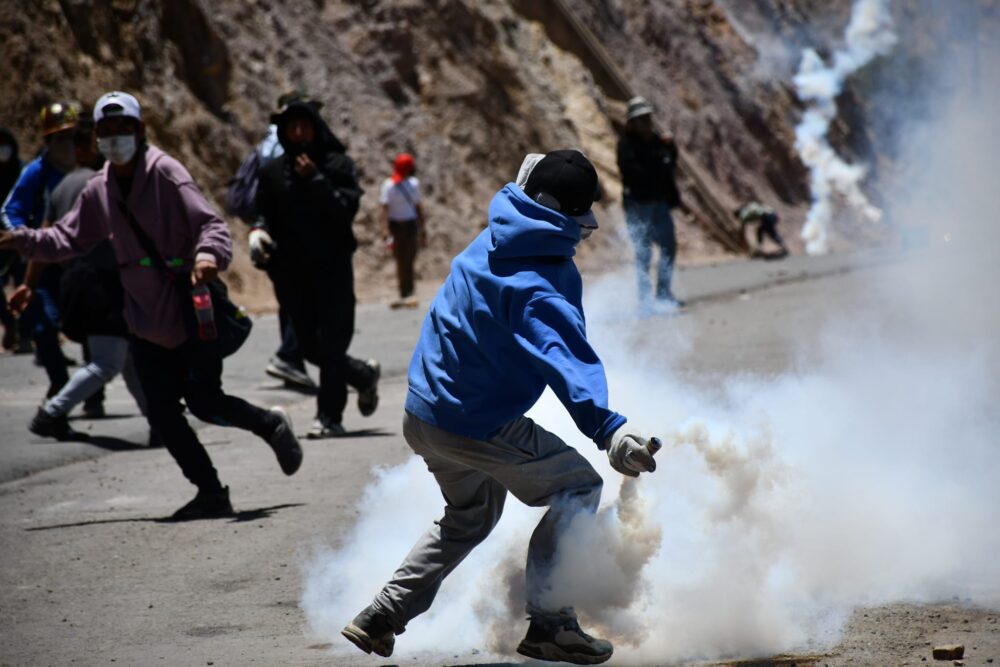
{"points": [[507, 322]]}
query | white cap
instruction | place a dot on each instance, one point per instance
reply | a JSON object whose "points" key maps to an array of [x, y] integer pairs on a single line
{"points": [[117, 103]]}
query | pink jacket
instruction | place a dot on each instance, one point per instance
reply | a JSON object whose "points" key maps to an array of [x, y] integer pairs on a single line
{"points": [[175, 215]]}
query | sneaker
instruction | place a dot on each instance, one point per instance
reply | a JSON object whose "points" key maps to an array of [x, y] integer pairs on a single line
{"points": [[368, 398], [564, 641], [47, 426], [284, 443], [206, 505], [324, 428], [282, 370], [370, 631]]}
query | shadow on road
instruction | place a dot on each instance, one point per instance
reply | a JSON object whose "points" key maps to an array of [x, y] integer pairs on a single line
{"points": [[112, 443], [243, 516], [111, 416], [294, 388]]}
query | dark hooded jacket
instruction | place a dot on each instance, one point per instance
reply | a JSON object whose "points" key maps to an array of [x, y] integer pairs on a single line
{"points": [[648, 169], [309, 219], [10, 170]]}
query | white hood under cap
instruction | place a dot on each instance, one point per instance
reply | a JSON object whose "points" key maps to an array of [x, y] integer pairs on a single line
{"points": [[587, 221]]}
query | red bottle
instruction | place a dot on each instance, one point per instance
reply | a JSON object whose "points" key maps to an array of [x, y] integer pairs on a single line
{"points": [[203, 311]]}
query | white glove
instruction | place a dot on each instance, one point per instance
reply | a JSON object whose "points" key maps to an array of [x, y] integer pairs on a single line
{"points": [[632, 454], [261, 246]]}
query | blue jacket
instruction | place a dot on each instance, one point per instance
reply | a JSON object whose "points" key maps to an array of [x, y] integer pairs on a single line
{"points": [[507, 322], [25, 205]]}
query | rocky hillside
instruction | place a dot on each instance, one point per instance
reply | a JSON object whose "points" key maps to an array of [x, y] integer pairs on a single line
{"points": [[468, 86]]}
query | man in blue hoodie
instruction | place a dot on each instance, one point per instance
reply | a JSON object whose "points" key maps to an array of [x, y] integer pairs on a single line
{"points": [[508, 322]]}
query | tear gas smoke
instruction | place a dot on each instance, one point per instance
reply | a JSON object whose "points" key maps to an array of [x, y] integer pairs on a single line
{"points": [[779, 505], [869, 34]]}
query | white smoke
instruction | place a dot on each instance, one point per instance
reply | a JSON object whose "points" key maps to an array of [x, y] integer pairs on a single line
{"points": [[779, 504], [869, 34]]}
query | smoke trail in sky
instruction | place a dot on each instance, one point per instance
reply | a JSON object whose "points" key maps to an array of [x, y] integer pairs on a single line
{"points": [[869, 34]]}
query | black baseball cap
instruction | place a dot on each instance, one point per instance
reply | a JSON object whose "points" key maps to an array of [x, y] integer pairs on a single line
{"points": [[569, 178]]}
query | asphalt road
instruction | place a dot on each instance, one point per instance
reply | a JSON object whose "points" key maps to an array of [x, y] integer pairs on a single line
{"points": [[90, 576]]}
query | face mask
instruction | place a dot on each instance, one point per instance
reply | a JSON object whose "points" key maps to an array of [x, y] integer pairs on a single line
{"points": [[118, 149], [6, 153]]}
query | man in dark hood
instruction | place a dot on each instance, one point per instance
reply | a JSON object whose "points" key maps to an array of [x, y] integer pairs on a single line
{"points": [[307, 200]]}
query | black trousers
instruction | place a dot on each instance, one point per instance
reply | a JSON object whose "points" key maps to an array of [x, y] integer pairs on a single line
{"points": [[289, 351], [191, 374], [319, 301]]}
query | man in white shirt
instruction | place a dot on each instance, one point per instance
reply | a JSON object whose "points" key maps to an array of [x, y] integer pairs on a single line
{"points": [[403, 224]]}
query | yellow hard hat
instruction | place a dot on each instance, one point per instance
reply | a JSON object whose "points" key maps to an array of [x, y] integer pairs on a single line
{"points": [[57, 116]]}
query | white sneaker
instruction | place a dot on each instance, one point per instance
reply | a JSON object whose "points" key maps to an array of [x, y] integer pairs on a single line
{"points": [[321, 429]]}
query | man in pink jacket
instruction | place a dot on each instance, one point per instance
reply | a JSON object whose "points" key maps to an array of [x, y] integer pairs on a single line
{"points": [[141, 181]]}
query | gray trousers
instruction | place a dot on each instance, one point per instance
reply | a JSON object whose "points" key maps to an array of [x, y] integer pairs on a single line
{"points": [[475, 476], [109, 356]]}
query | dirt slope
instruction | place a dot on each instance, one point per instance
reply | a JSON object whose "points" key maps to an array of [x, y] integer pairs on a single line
{"points": [[467, 86]]}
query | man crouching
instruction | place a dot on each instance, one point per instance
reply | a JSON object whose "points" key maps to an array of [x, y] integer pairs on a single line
{"points": [[508, 322]]}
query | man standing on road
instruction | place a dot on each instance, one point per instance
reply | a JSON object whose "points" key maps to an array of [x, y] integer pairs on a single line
{"points": [[307, 200], [144, 190], [647, 163], [403, 224], [508, 322], [287, 364]]}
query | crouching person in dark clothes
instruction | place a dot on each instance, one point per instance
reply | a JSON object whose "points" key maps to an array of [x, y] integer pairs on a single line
{"points": [[145, 184], [307, 200], [508, 322]]}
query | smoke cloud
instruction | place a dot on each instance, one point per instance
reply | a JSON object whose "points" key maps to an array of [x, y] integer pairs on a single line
{"points": [[779, 504], [869, 34]]}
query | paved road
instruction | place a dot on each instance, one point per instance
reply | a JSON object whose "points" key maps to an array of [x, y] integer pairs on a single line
{"points": [[89, 576], [386, 334]]}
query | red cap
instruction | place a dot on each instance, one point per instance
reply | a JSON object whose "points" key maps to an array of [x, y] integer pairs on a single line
{"points": [[402, 167]]}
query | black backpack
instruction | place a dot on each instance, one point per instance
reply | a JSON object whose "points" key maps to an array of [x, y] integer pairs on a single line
{"points": [[241, 196]]}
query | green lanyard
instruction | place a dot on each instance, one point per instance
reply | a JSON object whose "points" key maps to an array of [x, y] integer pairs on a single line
{"points": [[173, 261]]}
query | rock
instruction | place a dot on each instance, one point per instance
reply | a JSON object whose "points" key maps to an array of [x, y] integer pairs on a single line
{"points": [[948, 652]]}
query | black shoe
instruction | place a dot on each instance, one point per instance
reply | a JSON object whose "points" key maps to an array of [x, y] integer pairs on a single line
{"points": [[323, 428], [564, 641], [284, 443], [206, 505], [296, 377], [47, 426], [9, 337], [370, 631], [94, 411], [368, 398]]}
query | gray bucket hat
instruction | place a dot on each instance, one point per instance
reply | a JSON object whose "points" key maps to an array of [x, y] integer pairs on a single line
{"points": [[638, 106]]}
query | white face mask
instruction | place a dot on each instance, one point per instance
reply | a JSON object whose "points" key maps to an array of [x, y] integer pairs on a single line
{"points": [[6, 153], [118, 149]]}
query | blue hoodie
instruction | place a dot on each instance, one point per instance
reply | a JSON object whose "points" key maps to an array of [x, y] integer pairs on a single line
{"points": [[507, 322], [27, 201]]}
